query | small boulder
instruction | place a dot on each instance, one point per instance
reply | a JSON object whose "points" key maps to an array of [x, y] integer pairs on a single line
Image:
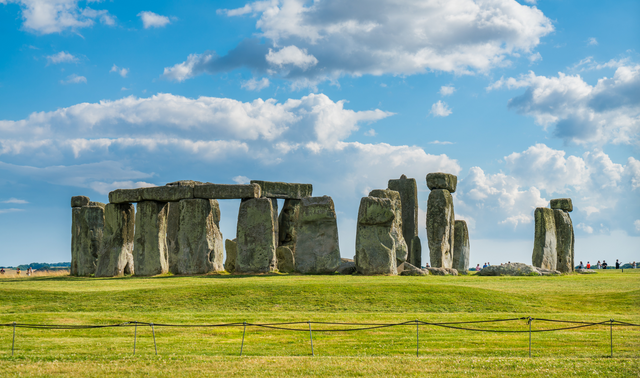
{"points": [[510, 269]]}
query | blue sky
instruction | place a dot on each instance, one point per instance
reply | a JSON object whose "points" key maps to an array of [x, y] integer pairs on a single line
{"points": [[524, 101]]}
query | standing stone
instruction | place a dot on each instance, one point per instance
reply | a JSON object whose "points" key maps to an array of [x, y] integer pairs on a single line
{"points": [[564, 239], [287, 221], [231, 248], [408, 190], [274, 219], [461, 247], [116, 254], [150, 255], [545, 242], [375, 244], [196, 246], [256, 237], [440, 228], [317, 249], [286, 259], [415, 250], [86, 238], [396, 230]]}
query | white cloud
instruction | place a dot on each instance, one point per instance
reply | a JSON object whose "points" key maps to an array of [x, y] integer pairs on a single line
{"points": [[447, 90], [120, 71], [106, 187], [586, 228], [608, 112], [291, 55], [255, 85], [370, 132], [55, 16], [61, 57], [5, 211], [74, 79], [534, 57], [153, 20], [592, 42], [636, 224], [382, 37], [241, 180], [444, 142], [15, 200], [440, 109]]}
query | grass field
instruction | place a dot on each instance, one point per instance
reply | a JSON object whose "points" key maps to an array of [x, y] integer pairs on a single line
{"points": [[385, 352]]}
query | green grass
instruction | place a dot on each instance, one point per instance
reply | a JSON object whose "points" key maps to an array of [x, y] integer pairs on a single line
{"points": [[274, 298]]}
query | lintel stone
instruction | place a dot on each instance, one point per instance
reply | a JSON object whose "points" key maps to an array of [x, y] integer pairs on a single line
{"points": [[284, 190], [562, 204], [226, 191], [79, 201], [439, 180]]}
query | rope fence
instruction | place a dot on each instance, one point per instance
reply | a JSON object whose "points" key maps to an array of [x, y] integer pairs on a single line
{"points": [[291, 326]]}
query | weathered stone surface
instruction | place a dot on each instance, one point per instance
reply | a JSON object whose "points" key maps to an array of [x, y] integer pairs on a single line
{"points": [[440, 228], [166, 193], [286, 259], [224, 191], [415, 252], [461, 247], [150, 255], [96, 204], [545, 242], [79, 201], [375, 246], [231, 249], [125, 196], [564, 241], [442, 271], [410, 270], [196, 246], [548, 272], [347, 266], [562, 204], [189, 183], [408, 190], [510, 269], [274, 218], [284, 190], [86, 238], [317, 249], [287, 221], [115, 257], [439, 180], [256, 237], [396, 226]]}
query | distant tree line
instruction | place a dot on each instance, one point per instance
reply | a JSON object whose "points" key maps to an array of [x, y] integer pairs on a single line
{"points": [[41, 266]]}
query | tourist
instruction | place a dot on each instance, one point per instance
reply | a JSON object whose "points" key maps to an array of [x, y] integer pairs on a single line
{"points": [[488, 264], [588, 265], [617, 264], [18, 271], [478, 268], [580, 266], [29, 271], [599, 265], [2, 270], [633, 266], [427, 265], [604, 264], [484, 266]]}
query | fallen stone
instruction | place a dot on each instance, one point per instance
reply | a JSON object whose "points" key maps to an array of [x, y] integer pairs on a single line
{"points": [[231, 249], [396, 226], [461, 247], [564, 241], [410, 270], [284, 190], [510, 269], [116, 253], [562, 204], [440, 228], [287, 221], [224, 191], [375, 245], [150, 255], [317, 249], [79, 201], [286, 259], [347, 266], [439, 180], [548, 272], [545, 242], [408, 190], [86, 238], [256, 237], [442, 271]]}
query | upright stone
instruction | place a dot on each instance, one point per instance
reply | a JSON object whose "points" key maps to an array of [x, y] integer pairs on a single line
{"points": [[545, 243], [196, 246], [274, 217], [286, 259], [461, 247], [317, 249], [408, 190], [116, 254], [87, 225], [440, 228], [150, 255], [375, 244], [256, 237], [287, 223], [415, 250], [564, 240], [396, 226], [231, 249]]}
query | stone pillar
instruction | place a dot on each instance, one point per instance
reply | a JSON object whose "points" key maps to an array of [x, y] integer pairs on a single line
{"points": [[231, 248], [116, 255], [461, 247], [194, 240], [545, 243], [564, 234], [441, 219], [287, 223], [408, 189], [396, 226], [256, 237], [274, 216], [150, 254], [375, 243], [87, 227], [317, 249]]}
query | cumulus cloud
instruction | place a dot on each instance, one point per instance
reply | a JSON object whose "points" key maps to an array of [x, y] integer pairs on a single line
{"points": [[119, 70], [444, 142], [447, 90], [592, 41], [153, 20], [370, 132], [586, 228], [241, 180], [55, 16], [608, 112], [61, 57], [256, 85], [74, 79], [15, 200], [328, 39], [440, 109]]}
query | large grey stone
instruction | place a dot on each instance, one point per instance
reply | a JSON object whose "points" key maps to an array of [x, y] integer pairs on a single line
{"points": [[461, 247], [562, 203], [125, 196], [440, 228], [317, 249], [256, 237], [396, 226], [375, 245], [347, 266], [231, 249], [274, 219], [442, 271], [415, 251], [189, 183], [196, 246], [408, 190], [79, 201], [284, 190], [86, 239], [286, 259], [150, 255], [510, 269], [545, 243], [167, 193], [287, 222], [116, 254], [224, 191], [564, 241], [439, 180], [410, 270]]}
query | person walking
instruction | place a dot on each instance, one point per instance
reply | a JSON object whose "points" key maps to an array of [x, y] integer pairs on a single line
{"points": [[617, 264], [604, 264], [599, 265], [588, 265]]}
